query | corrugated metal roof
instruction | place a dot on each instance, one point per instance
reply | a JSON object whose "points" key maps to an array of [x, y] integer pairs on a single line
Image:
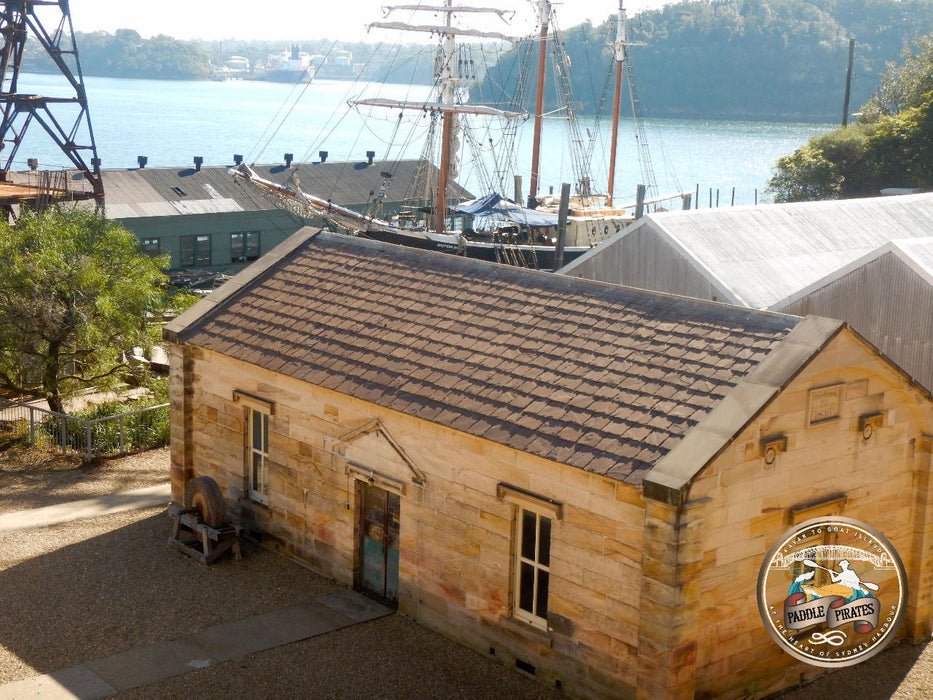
{"points": [[172, 191], [767, 253], [920, 251]]}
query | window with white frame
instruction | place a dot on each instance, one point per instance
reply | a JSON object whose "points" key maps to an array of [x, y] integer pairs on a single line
{"points": [[532, 566], [531, 570], [257, 454]]}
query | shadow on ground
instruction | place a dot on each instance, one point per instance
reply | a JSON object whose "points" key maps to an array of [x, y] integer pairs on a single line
{"points": [[878, 677]]}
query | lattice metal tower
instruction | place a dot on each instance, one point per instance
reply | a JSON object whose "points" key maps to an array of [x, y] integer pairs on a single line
{"points": [[64, 117]]}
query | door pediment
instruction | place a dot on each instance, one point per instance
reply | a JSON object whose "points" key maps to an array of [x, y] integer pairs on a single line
{"points": [[372, 449]]}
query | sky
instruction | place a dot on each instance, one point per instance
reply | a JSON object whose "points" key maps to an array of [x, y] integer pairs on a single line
{"points": [[301, 19]]}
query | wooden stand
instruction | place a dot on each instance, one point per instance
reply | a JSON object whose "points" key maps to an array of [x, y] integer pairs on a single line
{"points": [[191, 536]]}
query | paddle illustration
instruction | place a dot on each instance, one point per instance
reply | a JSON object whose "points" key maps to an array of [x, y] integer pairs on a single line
{"points": [[847, 577]]}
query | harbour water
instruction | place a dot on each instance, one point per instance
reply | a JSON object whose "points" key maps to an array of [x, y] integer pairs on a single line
{"points": [[170, 122]]}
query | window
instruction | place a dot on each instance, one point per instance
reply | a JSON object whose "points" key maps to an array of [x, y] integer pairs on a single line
{"points": [[257, 454], [195, 250], [532, 566], [152, 246], [244, 246]]}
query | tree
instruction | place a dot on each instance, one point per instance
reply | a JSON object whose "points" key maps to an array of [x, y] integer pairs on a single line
{"points": [[903, 86], [805, 175], [890, 146], [75, 294]]}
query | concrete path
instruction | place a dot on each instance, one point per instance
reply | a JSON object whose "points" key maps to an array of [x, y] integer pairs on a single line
{"points": [[88, 508], [156, 662]]}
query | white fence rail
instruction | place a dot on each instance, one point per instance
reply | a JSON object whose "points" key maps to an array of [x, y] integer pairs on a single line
{"points": [[141, 428]]}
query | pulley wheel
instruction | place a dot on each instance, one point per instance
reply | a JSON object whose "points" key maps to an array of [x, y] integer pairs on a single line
{"points": [[203, 495]]}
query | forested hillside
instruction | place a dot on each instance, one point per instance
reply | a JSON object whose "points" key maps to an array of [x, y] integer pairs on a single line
{"points": [[756, 59]]}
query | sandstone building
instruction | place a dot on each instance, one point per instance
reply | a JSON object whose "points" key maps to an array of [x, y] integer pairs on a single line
{"points": [[579, 478]]}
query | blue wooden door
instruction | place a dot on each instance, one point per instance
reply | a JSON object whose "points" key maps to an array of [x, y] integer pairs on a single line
{"points": [[379, 542]]}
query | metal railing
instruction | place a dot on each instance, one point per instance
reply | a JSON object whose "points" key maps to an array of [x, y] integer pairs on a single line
{"points": [[138, 429]]}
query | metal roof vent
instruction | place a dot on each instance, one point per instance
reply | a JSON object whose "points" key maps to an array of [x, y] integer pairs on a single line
{"points": [[198, 162], [33, 163], [143, 161], [289, 157], [237, 158], [322, 155], [370, 155]]}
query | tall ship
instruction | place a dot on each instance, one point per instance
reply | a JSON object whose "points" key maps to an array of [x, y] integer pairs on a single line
{"points": [[544, 231]]}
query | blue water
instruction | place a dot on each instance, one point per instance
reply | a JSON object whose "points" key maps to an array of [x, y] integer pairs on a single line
{"points": [[171, 122]]}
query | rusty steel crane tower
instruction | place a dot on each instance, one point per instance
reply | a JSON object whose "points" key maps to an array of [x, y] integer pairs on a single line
{"points": [[64, 117]]}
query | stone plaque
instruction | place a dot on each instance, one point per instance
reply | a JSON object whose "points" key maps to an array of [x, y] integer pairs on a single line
{"points": [[825, 405]]}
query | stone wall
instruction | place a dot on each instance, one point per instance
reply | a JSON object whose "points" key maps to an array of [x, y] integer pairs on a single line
{"points": [[747, 505], [456, 532]]}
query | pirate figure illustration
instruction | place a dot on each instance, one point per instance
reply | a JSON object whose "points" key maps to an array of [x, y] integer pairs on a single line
{"points": [[845, 584]]}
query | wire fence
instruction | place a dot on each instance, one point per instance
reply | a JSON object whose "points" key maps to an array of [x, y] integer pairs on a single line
{"points": [[139, 429]]}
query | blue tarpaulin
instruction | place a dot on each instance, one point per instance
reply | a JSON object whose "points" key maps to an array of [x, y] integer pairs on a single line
{"points": [[496, 206]]}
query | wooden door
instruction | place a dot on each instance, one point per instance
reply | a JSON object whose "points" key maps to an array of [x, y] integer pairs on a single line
{"points": [[379, 542]]}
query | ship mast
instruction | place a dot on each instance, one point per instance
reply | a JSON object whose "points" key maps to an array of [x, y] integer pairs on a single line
{"points": [[544, 14], [619, 49], [448, 81]]}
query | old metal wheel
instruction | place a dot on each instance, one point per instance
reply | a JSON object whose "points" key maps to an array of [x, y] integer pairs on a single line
{"points": [[203, 494]]}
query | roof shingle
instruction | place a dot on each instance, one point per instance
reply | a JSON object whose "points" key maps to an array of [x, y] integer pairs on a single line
{"points": [[608, 377]]}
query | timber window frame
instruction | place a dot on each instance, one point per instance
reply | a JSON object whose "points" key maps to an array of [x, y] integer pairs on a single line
{"points": [[257, 454], [534, 518], [256, 447]]}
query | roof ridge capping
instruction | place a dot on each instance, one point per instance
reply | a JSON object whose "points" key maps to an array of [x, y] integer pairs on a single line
{"points": [[244, 278], [669, 480]]}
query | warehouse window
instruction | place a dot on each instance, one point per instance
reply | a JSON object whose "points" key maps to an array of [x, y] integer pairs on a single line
{"points": [[152, 246], [244, 246], [195, 250]]}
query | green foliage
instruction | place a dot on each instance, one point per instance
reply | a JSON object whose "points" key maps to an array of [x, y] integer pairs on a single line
{"points": [[805, 175], [903, 86], [900, 149], [883, 150], [75, 294], [140, 431]]}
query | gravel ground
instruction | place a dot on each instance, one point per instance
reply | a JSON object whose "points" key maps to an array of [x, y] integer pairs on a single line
{"points": [[92, 588], [32, 478]]}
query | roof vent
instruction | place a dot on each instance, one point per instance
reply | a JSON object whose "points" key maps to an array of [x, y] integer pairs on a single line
{"points": [[322, 155], [198, 162], [370, 155], [33, 163], [289, 157], [237, 158], [143, 161], [95, 163]]}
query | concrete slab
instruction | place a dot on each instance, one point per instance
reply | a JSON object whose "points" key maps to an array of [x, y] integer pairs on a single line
{"points": [[146, 665], [146, 497], [355, 606], [67, 684]]}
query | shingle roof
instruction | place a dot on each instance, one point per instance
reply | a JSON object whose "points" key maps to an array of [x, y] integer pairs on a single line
{"points": [[174, 191], [598, 376]]}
